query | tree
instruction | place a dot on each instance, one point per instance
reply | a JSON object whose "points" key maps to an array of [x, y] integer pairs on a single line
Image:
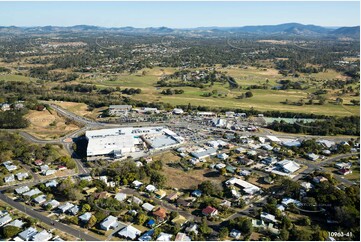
{"points": [[223, 233], [140, 218], [92, 221], [203, 227], [157, 179], [209, 188], [284, 234], [10, 231], [85, 208], [249, 94]]}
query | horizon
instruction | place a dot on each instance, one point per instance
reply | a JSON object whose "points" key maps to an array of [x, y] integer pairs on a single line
{"points": [[128, 26], [178, 15]]}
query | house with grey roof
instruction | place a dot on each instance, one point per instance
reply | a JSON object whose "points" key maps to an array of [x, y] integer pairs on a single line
{"points": [[5, 219], [40, 199], [28, 233], [74, 210], [52, 183], [129, 232], [53, 203], [65, 207], [120, 196], [32, 192], [85, 217], [16, 223], [22, 175], [21, 190], [109, 223], [42, 236], [9, 179]]}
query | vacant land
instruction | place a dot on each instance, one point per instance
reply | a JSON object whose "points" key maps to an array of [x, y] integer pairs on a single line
{"points": [[46, 125], [178, 178]]}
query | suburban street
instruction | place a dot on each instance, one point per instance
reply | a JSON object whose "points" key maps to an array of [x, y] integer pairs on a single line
{"points": [[57, 225]]}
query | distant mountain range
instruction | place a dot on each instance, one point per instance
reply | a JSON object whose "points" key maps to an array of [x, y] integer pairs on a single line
{"points": [[282, 29]]}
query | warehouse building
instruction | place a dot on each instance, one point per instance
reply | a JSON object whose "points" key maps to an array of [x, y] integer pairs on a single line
{"points": [[121, 142]]}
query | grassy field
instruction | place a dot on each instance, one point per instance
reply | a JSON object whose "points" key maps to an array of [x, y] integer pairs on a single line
{"points": [[177, 178], [262, 100], [46, 125]]}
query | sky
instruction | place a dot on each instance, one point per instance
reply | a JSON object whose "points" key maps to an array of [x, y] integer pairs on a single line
{"points": [[178, 14]]}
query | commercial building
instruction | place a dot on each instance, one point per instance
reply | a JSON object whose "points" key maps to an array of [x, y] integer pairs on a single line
{"points": [[118, 110], [120, 142]]}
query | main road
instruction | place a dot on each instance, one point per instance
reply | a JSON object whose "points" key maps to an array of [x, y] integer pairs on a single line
{"points": [[57, 225]]}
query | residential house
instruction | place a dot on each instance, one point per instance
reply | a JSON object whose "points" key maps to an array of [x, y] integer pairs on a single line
{"points": [[179, 220], [22, 175], [286, 201], [236, 234], [223, 156], [160, 194], [343, 165], [209, 211], [312, 156], [147, 236], [150, 188], [32, 192], [182, 237], [9, 166], [28, 234], [120, 197], [193, 227], [148, 207], [85, 217], [136, 184], [160, 214], [185, 202], [16, 223], [288, 166], [109, 223], [74, 210], [53, 203], [52, 183], [172, 196], [226, 204], [197, 193], [9, 179], [38, 162], [21, 190], [40, 199], [42, 236], [344, 171], [65, 207], [164, 237], [129, 232], [319, 179], [5, 219], [306, 185], [268, 218], [137, 200]]}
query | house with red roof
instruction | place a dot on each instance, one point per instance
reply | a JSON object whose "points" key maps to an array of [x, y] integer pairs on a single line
{"points": [[160, 214], [209, 211]]}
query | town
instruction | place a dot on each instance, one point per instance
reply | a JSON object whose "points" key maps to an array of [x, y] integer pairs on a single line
{"points": [[180, 121], [199, 175]]}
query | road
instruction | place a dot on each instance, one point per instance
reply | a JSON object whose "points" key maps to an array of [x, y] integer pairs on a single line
{"points": [[314, 166], [57, 225]]}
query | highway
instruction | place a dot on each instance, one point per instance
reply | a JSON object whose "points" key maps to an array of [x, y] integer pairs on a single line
{"points": [[40, 217]]}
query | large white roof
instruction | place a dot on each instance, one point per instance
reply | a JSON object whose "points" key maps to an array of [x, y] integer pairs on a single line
{"points": [[106, 141]]}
